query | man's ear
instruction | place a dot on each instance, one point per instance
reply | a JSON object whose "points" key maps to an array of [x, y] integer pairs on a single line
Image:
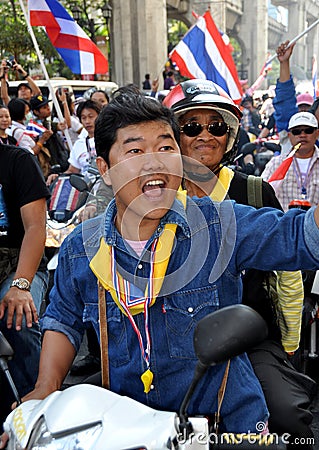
{"points": [[104, 170]]}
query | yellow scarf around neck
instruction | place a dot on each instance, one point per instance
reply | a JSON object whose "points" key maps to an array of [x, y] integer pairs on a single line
{"points": [[221, 188], [101, 264]]}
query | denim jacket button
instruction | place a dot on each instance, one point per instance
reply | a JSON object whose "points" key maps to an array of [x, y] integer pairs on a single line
{"points": [[140, 266], [190, 309]]}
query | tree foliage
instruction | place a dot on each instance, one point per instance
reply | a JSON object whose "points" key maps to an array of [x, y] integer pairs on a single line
{"points": [[91, 16], [176, 31], [16, 41]]}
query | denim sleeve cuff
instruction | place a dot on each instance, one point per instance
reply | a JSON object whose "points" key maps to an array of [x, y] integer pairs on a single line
{"points": [[285, 84], [75, 337], [311, 232]]}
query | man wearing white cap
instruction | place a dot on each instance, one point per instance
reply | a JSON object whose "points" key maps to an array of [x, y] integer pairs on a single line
{"points": [[302, 177]]}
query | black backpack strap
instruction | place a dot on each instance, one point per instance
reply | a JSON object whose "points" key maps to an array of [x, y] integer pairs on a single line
{"points": [[254, 191]]}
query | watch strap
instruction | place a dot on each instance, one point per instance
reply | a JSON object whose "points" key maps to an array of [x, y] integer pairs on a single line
{"points": [[21, 283]]}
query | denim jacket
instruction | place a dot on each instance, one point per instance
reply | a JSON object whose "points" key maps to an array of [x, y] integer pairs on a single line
{"points": [[284, 103], [214, 243]]}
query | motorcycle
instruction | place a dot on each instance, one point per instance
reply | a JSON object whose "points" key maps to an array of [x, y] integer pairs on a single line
{"points": [[69, 194], [90, 417], [262, 150]]}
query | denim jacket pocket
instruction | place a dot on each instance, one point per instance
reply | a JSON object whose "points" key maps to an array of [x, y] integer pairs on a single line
{"points": [[117, 335], [183, 311]]}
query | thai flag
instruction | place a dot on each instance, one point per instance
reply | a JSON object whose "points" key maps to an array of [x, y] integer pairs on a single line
{"points": [[34, 128], [202, 53], [279, 174], [79, 53]]}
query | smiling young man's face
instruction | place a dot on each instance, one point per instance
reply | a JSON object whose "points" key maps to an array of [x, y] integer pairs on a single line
{"points": [[145, 172]]}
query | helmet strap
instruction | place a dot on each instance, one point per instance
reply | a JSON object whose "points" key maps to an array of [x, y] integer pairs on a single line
{"points": [[207, 176]]}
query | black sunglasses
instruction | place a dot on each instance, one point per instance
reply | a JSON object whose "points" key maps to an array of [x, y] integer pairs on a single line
{"points": [[193, 129], [297, 131]]}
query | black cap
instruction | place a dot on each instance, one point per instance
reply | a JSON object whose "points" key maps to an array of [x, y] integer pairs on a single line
{"points": [[25, 85], [38, 101]]}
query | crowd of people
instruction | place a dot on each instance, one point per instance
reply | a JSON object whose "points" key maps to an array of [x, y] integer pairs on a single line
{"points": [[172, 181]]}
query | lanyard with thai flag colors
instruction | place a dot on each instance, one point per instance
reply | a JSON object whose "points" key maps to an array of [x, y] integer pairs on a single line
{"points": [[123, 289], [103, 265]]}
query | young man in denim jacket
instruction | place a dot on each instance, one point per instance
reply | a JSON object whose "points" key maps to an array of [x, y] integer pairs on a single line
{"points": [[177, 257]]}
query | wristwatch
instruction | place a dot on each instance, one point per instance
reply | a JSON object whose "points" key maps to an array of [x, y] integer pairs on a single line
{"points": [[21, 283]]}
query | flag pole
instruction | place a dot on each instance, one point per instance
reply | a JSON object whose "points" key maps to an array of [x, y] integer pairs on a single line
{"points": [[46, 75], [296, 38]]}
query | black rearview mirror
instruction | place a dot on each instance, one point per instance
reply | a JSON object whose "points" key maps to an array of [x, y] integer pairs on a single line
{"points": [[78, 183], [228, 332]]}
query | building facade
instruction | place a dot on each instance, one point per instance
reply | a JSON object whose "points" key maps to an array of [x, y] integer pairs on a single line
{"points": [[139, 33]]}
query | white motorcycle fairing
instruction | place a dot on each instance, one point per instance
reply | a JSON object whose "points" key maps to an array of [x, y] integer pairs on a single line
{"points": [[90, 417]]}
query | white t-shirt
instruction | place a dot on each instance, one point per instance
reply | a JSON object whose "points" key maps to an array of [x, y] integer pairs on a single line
{"points": [[83, 154], [24, 140], [74, 130], [303, 164]]}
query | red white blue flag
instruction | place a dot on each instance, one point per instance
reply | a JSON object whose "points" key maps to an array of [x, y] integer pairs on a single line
{"points": [[77, 50], [277, 178], [34, 128], [202, 53]]}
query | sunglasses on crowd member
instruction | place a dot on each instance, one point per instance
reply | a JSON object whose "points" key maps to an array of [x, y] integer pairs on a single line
{"points": [[193, 129], [297, 131]]}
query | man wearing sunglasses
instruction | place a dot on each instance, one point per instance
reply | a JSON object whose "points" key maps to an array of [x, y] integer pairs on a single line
{"points": [[209, 124], [302, 177]]}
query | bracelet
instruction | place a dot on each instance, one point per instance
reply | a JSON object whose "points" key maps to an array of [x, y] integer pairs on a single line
{"points": [[39, 144], [25, 76]]}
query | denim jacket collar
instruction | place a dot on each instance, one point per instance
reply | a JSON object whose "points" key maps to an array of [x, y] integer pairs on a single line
{"points": [[93, 232]]}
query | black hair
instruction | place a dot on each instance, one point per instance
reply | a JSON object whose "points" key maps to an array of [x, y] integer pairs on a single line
{"points": [[247, 99], [127, 89], [16, 108], [314, 106], [88, 104], [265, 97], [25, 85], [129, 108], [102, 92]]}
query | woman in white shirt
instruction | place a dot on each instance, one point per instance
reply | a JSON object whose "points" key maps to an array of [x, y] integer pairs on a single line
{"points": [[83, 153]]}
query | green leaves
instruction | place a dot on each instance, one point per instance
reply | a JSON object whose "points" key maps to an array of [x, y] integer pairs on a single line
{"points": [[16, 41]]}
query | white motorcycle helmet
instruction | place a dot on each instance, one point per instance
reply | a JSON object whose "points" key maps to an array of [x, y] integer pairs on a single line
{"points": [[198, 94]]}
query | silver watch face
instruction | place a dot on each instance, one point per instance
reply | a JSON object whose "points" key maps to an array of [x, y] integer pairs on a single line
{"points": [[21, 283]]}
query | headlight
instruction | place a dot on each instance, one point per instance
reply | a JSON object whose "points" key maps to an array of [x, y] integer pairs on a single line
{"points": [[80, 438]]}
